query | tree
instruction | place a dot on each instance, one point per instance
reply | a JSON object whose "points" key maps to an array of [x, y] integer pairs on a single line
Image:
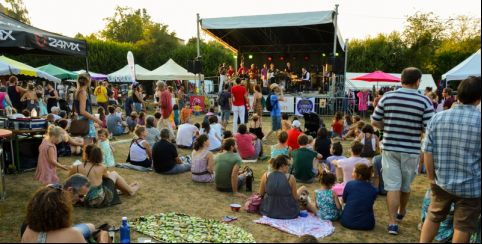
{"points": [[126, 25], [16, 9]]}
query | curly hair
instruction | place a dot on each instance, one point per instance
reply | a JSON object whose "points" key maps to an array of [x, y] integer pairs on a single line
{"points": [[49, 209]]}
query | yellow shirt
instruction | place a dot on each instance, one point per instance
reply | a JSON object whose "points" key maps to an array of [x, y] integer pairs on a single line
{"points": [[101, 94]]}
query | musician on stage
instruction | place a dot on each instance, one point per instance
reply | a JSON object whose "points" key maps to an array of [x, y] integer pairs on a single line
{"points": [[288, 73], [230, 72], [305, 78], [242, 71], [271, 73], [253, 75], [264, 78], [222, 76]]}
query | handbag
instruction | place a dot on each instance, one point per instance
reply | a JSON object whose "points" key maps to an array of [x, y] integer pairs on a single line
{"points": [[254, 203], [79, 127]]}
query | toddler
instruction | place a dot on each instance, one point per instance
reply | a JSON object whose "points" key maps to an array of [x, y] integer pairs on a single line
{"points": [[107, 150], [175, 111], [142, 119], [132, 121], [329, 207]]}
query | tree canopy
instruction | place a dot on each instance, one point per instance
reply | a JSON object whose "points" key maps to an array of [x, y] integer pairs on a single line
{"points": [[17, 10]]}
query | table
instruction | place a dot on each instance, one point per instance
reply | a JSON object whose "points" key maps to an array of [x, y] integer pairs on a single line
{"points": [[4, 134]]}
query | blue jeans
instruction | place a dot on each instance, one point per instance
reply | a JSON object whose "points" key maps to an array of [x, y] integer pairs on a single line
{"points": [[84, 230], [119, 130], [138, 107], [179, 168]]}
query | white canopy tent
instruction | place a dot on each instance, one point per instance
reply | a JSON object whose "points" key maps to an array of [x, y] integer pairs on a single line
{"points": [[124, 75], [469, 67], [427, 81], [168, 71]]}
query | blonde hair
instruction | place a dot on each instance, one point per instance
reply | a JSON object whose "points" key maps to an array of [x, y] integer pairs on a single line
{"points": [[55, 132], [139, 130], [104, 132], [83, 80]]}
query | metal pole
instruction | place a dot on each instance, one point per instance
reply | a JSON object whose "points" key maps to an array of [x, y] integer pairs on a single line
{"points": [[198, 36], [335, 22], [346, 56]]}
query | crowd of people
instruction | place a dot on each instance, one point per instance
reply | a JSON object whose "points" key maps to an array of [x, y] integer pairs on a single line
{"points": [[348, 187]]}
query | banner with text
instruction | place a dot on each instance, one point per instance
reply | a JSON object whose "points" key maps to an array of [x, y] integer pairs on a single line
{"points": [[304, 105]]}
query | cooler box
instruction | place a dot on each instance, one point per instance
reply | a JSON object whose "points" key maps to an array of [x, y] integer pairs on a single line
{"points": [[27, 124]]}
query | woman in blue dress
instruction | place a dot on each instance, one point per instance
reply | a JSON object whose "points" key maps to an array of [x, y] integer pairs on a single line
{"points": [[83, 107]]}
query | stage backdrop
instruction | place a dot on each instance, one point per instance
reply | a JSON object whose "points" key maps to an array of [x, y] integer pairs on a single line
{"points": [[304, 105], [197, 100]]}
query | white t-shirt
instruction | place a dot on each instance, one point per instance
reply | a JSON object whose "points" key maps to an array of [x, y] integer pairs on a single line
{"points": [[214, 142], [218, 129], [138, 154], [185, 134], [347, 165]]}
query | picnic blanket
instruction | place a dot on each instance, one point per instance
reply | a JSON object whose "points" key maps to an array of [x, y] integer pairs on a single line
{"points": [[133, 167], [181, 228], [311, 225]]}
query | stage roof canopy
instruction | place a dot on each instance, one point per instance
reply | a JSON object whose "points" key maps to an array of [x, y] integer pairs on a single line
{"points": [[292, 32]]}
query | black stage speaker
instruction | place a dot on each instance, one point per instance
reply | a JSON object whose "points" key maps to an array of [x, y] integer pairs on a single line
{"points": [[338, 64], [194, 66]]}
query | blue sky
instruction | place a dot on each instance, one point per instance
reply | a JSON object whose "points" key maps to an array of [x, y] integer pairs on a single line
{"points": [[357, 19]]}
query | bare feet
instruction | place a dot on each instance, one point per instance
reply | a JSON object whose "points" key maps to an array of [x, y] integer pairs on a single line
{"points": [[134, 188]]}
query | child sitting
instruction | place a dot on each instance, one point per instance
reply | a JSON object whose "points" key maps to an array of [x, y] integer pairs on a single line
{"points": [[255, 127], [175, 111], [347, 124], [71, 145], [142, 119], [107, 150], [209, 114], [285, 123], [359, 197], [186, 113], [132, 121], [157, 119], [336, 151], [102, 117], [329, 207], [369, 140], [345, 166], [353, 128], [337, 125]]}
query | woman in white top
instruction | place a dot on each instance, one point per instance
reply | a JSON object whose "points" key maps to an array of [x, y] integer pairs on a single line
{"points": [[140, 152], [214, 140], [216, 127], [370, 141]]}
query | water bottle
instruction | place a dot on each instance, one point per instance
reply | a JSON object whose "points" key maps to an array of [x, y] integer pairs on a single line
{"points": [[125, 231]]}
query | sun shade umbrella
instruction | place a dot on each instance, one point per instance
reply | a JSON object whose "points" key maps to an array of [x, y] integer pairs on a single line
{"points": [[58, 72], [12, 67], [378, 76], [93, 75]]}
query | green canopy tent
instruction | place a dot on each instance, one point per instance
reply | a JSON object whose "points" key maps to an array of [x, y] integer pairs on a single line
{"points": [[58, 72]]}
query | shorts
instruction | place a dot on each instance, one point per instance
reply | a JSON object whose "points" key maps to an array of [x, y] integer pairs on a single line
{"points": [[84, 230], [225, 115], [466, 213], [399, 170], [275, 123]]}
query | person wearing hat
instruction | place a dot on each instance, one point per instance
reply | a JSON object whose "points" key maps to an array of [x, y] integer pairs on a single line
{"points": [[293, 135], [274, 98]]}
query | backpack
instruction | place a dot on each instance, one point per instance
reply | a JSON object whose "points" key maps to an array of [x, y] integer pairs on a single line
{"points": [[222, 99], [254, 203], [367, 151], [269, 104]]}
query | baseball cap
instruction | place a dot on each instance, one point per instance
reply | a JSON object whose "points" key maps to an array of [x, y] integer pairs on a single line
{"points": [[296, 123]]}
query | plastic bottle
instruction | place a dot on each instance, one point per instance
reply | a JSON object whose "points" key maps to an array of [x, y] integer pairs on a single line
{"points": [[125, 231], [33, 113]]}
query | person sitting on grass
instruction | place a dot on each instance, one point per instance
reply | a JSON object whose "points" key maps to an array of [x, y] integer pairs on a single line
{"points": [[249, 146], [186, 134], [279, 191], [305, 162], [132, 121], [165, 157], [227, 165], [186, 113], [336, 151], [353, 129], [202, 168], [115, 126], [281, 148], [140, 152], [337, 125], [323, 143], [214, 139], [371, 143], [153, 133], [359, 197], [104, 183], [70, 145], [49, 219], [293, 135], [344, 167], [255, 127], [285, 123], [329, 207]]}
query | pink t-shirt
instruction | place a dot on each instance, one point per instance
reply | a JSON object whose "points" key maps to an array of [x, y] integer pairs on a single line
{"points": [[347, 165], [362, 101], [245, 145]]}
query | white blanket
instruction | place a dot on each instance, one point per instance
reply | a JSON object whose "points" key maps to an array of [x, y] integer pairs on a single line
{"points": [[311, 225]]}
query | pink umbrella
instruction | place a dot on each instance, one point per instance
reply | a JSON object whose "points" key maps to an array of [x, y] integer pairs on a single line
{"points": [[378, 76]]}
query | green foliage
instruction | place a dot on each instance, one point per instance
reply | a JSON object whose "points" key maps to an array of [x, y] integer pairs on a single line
{"points": [[427, 42], [126, 25], [16, 9]]}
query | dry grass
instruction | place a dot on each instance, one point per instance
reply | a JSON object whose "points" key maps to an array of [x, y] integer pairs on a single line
{"points": [[161, 193]]}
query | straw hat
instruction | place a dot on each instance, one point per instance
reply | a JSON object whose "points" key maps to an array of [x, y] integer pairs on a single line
{"points": [[273, 86]]}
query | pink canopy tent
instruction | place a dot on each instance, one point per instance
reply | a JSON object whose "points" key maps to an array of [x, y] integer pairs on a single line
{"points": [[378, 76]]}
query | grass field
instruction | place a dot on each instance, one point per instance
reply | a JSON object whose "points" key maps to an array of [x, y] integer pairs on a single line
{"points": [[161, 193]]}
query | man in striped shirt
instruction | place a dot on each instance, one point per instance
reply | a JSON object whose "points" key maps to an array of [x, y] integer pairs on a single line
{"points": [[402, 115]]}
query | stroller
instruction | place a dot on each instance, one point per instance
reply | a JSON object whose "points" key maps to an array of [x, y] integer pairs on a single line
{"points": [[312, 124]]}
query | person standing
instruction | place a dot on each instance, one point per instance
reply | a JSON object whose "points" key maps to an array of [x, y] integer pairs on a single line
{"points": [[15, 93], [138, 100], [101, 96], [258, 103], [225, 103], [275, 97], [363, 102], [402, 114], [264, 79], [239, 96], [165, 103], [230, 72], [222, 76], [83, 106], [448, 98], [452, 156]]}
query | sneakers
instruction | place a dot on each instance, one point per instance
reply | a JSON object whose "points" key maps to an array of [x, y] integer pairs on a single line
{"points": [[393, 229], [399, 217]]}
